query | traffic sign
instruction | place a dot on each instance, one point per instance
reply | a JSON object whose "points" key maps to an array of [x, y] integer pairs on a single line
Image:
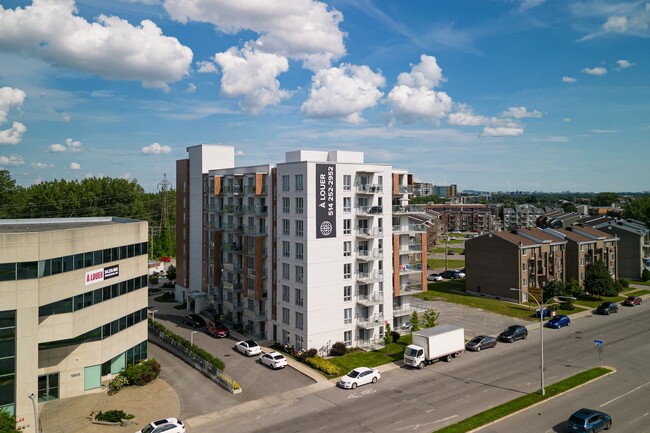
{"points": [[599, 342]]}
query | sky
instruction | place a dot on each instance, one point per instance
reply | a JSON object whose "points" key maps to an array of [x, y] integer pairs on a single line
{"points": [[490, 95]]}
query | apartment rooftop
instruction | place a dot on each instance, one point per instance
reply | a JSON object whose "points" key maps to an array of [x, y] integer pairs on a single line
{"points": [[37, 225]]}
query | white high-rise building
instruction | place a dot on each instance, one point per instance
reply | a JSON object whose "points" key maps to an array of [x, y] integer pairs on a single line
{"points": [[311, 251]]}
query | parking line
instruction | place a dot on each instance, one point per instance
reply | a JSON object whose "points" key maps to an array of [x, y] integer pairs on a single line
{"points": [[623, 395]]}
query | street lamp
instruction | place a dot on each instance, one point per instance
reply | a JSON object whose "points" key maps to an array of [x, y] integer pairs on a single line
{"points": [[192, 338], [153, 315], [32, 397]]}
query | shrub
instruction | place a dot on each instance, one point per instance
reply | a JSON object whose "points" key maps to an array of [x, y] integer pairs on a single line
{"points": [[118, 383], [395, 336], [113, 416], [142, 373], [323, 365], [567, 306], [624, 283], [645, 275], [302, 356], [338, 349]]}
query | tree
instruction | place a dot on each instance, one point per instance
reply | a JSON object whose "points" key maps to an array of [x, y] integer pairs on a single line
{"points": [[598, 280], [573, 287], [387, 335], [171, 273], [569, 207], [645, 275], [638, 209], [430, 318], [415, 321], [7, 192], [604, 199], [7, 422], [552, 289]]}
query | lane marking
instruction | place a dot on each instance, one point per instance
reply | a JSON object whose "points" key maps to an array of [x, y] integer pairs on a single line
{"points": [[636, 419], [623, 395]]}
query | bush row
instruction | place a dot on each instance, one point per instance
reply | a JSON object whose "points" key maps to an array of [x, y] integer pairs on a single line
{"points": [[323, 365], [113, 416], [137, 374]]}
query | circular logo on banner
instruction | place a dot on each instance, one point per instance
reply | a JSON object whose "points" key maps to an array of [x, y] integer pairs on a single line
{"points": [[326, 228]]}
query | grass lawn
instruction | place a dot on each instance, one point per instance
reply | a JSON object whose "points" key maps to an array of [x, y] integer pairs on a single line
{"points": [[372, 358], [521, 403], [642, 283], [639, 292], [453, 291], [440, 263], [594, 301]]}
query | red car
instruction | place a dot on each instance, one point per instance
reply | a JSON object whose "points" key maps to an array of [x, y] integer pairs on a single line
{"points": [[217, 330], [632, 301]]}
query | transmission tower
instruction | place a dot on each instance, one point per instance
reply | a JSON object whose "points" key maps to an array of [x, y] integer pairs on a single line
{"points": [[163, 187]]}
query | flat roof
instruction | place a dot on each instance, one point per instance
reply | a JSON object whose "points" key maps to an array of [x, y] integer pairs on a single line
{"points": [[37, 225]]}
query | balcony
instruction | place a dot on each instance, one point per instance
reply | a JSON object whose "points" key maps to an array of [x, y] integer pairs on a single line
{"points": [[235, 287], [410, 287], [234, 247], [370, 277], [233, 267], [371, 321], [369, 188], [375, 298], [405, 189], [411, 228], [234, 189], [370, 232], [255, 316], [250, 189], [255, 230], [410, 248], [257, 210], [409, 209], [409, 269], [404, 310], [369, 210], [251, 273], [233, 306], [368, 255]]}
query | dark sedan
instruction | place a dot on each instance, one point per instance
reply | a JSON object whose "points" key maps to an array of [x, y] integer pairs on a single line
{"points": [[481, 342], [194, 320], [513, 333]]}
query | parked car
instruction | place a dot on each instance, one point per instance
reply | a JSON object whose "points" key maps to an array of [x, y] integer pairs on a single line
{"points": [[273, 360], [607, 308], [452, 274], [589, 420], [217, 329], [248, 347], [558, 321], [481, 342], [513, 333], [166, 425], [546, 312], [194, 320], [451, 252], [359, 376], [460, 274], [434, 277], [631, 301]]}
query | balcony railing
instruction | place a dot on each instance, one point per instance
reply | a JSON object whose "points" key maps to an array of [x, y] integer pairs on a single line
{"points": [[255, 316], [233, 306], [255, 230], [370, 321], [235, 247], [369, 188], [410, 287], [370, 277], [369, 210], [410, 248], [374, 254], [411, 228], [409, 209], [405, 189], [408, 268], [235, 287], [371, 299], [234, 189], [370, 232], [233, 267], [257, 210], [251, 273]]}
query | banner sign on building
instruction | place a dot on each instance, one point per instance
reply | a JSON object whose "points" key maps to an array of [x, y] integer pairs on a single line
{"points": [[98, 275], [325, 201]]}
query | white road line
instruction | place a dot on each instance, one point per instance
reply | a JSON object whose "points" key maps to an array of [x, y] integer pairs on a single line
{"points": [[623, 395], [636, 419]]}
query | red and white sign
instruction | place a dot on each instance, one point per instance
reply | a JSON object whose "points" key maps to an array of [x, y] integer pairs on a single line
{"points": [[95, 276]]}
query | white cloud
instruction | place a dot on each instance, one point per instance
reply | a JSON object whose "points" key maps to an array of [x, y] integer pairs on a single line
{"points": [[464, 116], [51, 30], [566, 119], [72, 146], [9, 97], [426, 74], [530, 4], [616, 24], [63, 117], [14, 134], [566, 79], [344, 92], [521, 113], [298, 29], [41, 165], [501, 131], [598, 70], [206, 67], [624, 64], [413, 97], [75, 166], [191, 88], [56, 148], [240, 153], [156, 149], [11, 161], [253, 75]]}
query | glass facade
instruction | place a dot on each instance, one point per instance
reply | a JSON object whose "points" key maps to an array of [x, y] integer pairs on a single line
{"points": [[8, 360]]}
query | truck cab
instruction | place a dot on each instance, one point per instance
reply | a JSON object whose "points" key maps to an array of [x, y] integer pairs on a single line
{"points": [[414, 356]]}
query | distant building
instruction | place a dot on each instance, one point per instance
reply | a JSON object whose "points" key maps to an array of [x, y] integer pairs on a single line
{"points": [[466, 217], [422, 189], [521, 216], [449, 191], [558, 218]]}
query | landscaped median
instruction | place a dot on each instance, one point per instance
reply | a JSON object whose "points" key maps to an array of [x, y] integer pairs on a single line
{"points": [[521, 403]]}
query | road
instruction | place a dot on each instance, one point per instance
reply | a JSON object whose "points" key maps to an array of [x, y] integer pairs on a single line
{"points": [[444, 393]]}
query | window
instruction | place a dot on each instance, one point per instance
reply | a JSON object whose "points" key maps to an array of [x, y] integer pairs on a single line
{"points": [[299, 319], [347, 249], [286, 227], [582, 261], [347, 270], [347, 338], [286, 249], [299, 274], [286, 205], [285, 183], [299, 225], [285, 271], [299, 250], [300, 300], [299, 204], [48, 387], [286, 293], [347, 315], [347, 293], [347, 182], [285, 316], [523, 267], [582, 247], [299, 184], [524, 252], [347, 204], [524, 282], [347, 226]]}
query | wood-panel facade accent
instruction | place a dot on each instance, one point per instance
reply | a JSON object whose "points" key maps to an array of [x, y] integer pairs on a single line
{"points": [[396, 286]]}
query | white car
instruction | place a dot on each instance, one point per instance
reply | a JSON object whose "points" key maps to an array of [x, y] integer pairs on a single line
{"points": [[166, 425], [359, 376], [274, 360], [434, 277], [460, 274], [248, 347]]}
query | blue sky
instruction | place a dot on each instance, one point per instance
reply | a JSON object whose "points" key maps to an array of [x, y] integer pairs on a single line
{"points": [[491, 95]]}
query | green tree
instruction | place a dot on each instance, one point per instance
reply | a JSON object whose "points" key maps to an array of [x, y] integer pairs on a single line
{"points": [[604, 199], [430, 318], [415, 321], [569, 207], [573, 287], [7, 193], [554, 288], [598, 280], [387, 336], [171, 273], [7, 422], [638, 209]]}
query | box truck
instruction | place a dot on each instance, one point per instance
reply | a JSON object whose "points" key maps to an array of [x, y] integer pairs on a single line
{"points": [[442, 342]]}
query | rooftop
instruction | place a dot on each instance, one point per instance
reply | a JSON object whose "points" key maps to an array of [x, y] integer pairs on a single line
{"points": [[37, 225]]}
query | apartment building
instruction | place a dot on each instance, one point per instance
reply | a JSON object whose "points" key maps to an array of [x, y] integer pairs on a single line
{"points": [[73, 307], [422, 189], [309, 251], [522, 215], [466, 217]]}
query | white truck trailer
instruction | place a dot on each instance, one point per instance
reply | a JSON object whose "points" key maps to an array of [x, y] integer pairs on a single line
{"points": [[442, 342]]}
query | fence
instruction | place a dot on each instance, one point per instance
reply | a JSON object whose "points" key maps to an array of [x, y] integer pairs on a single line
{"points": [[158, 338]]}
